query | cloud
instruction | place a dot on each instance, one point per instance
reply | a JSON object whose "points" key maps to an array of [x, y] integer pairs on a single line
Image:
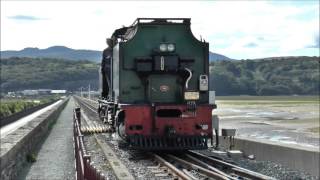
{"points": [[260, 38], [251, 45], [316, 43], [253, 30], [25, 18]]}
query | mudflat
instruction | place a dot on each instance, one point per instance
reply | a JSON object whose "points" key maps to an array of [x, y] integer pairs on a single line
{"points": [[285, 119]]}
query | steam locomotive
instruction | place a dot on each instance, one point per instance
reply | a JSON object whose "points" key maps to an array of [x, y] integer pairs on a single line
{"points": [[158, 95]]}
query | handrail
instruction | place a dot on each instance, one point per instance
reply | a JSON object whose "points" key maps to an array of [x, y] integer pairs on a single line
{"points": [[163, 20]]}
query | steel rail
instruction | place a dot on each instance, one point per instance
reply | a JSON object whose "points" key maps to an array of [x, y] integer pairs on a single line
{"points": [[201, 169], [205, 165], [178, 172], [188, 173], [91, 107], [93, 101], [237, 169]]}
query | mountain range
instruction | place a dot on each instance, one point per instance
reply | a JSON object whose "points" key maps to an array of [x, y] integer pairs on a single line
{"points": [[60, 52], [63, 52]]}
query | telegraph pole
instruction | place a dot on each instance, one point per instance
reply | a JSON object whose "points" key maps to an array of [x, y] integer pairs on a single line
{"points": [[89, 92]]}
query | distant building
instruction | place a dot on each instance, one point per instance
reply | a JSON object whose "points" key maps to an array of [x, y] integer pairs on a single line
{"points": [[44, 91], [58, 91], [11, 93], [29, 92]]}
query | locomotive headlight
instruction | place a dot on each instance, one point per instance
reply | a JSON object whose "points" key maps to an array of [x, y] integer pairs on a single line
{"points": [[191, 95], [163, 47], [171, 47]]}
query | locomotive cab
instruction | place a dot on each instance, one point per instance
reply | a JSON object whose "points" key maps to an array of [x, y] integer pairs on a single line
{"points": [[159, 78]]}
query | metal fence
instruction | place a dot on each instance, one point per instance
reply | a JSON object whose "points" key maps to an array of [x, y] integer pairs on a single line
{"points": [[84, 166]]}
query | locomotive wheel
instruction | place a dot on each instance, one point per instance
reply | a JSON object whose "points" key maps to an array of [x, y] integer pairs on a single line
{"points": [[122, 143], [121, 130]]}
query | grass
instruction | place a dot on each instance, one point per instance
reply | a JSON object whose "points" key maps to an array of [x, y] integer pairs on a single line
{"points": [[31, 158], [51, 124]]}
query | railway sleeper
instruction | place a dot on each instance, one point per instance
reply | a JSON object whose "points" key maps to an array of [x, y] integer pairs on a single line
{"points": [[95, 129]]}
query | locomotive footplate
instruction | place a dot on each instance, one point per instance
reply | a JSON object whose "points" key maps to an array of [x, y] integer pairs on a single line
{"points": [[167, 143]]}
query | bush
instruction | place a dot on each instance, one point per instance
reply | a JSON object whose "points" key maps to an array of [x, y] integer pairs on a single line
{"points": [[282, 76], [274, 90]]}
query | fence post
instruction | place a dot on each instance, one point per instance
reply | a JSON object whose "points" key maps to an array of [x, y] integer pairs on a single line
{"points": [[85, 168], [78, 115], [86, 160]]}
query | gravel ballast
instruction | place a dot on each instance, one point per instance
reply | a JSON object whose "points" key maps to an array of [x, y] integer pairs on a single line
{"points": [[138, 162]]}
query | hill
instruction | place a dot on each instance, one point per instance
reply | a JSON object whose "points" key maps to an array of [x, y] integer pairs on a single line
{"points": [[62, 52], [280, 76], [47, 73], [217, 57], [271, 76]]}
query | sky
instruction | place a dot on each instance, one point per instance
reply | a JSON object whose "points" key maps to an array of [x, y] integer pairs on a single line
{"points": [[237, 29]]}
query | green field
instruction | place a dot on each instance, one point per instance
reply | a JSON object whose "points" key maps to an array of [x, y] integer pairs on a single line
{"points": [[9, 106]]}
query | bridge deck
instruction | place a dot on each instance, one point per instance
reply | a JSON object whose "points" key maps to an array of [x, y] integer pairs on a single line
{"points": [[55, 159]]}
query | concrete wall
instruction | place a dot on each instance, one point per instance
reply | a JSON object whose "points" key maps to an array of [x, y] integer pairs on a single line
{"points": [[299, 158], [16, 146]]}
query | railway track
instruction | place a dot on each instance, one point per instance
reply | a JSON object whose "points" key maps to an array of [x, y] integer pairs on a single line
{"points": [[187, 165], [95, 128]]}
